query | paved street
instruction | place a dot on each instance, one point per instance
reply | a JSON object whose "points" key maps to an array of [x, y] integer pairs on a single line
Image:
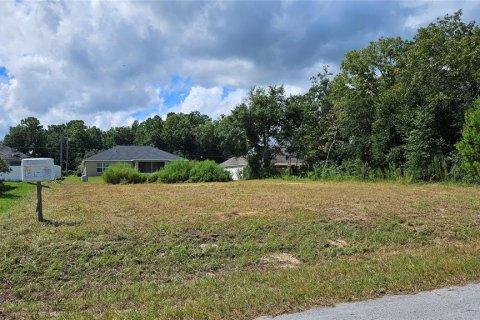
{"points": [[459, 303]]}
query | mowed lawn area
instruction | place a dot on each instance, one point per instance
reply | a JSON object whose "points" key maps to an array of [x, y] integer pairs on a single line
{"points": [[233, 250]]}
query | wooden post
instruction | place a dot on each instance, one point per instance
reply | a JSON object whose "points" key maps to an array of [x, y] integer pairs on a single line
{"points": [[39, 201]]}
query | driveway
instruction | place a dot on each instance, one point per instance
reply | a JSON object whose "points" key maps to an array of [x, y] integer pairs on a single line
{"points": [[459, 303]]}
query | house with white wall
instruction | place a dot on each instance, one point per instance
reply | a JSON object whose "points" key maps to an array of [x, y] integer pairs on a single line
{"points": [[282, 160], [13, 158]]}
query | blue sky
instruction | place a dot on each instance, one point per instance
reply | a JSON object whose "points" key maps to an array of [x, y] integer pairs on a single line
{"points": [[3, 71], [110, 63]]}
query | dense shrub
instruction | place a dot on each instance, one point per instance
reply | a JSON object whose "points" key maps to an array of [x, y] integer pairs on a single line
{"points": [[469, 146], [358, 170], [123, 173], [175, 171], [207, 171], [154, 177], [191, 171]]}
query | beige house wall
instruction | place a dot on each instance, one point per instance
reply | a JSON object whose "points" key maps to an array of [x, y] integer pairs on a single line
{"points": [[90, 167]]}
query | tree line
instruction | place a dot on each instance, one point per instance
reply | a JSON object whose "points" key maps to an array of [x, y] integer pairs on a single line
{"points": [[395, 106]]}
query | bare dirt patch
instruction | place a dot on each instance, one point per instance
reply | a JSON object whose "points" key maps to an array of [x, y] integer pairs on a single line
{"points": [[338, 243], [245, 213], [282, 259]]}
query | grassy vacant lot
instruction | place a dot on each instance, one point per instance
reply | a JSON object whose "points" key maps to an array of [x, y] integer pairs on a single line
{"points": [[232, 250]]}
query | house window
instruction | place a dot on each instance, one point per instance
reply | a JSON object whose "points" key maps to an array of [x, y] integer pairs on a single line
{"points": [[150, 167], [102, 166]]}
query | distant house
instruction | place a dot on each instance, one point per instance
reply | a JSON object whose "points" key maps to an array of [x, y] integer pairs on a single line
{"points": [[144, 158], [13, 158], [236, 165]]}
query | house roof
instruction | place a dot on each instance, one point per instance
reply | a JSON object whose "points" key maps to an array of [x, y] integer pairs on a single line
{"points": [[279, 160], [286, 159], [235, 162], [9, 154], [130, 153]]}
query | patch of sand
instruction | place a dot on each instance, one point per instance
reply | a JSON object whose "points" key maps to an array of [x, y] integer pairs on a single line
{"points": [[338, 243], [285, 259]]}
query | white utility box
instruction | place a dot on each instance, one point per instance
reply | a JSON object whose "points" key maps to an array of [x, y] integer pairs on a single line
{"points": [[37, 169]]}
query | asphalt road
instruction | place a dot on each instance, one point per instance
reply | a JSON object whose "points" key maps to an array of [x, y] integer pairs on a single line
{"points": [[455, 303]]}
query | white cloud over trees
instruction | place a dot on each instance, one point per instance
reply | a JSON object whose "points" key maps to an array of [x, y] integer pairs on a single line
{"points": [[104, 61]]}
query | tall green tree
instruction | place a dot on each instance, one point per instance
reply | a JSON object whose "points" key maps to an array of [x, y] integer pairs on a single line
{"points": [[307, 126], [77, 143], [149, 133], [179, 133], [118, 136], [54, 134], [363, 102], [208, 142], [255, 127], [28, 137], [437, 84]]}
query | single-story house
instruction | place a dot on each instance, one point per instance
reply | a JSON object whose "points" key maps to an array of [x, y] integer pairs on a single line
{"points": [[13, 158], [144, 158], [236, 165]]}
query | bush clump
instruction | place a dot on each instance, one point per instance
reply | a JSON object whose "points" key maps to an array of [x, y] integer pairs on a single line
{"points": [[208, 171], [469, 145], [175, 171], [192, 171], [123, 173], [153, 177]]}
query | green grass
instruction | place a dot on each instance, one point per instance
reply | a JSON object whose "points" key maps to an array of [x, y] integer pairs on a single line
{"points": [[232, 250], [14, 193]]}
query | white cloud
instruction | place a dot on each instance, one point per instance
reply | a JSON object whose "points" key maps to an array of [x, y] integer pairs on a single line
{"points": [[211, 101], [103, 61], [428, 11], [229, 72], [294, 90]]}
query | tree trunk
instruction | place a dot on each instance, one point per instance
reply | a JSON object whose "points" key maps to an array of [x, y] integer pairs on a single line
{"points": [[266, 160], [330, 148]]}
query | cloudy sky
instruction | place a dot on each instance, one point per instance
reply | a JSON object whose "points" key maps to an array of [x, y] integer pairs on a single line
{"points": [[111, 62]]}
